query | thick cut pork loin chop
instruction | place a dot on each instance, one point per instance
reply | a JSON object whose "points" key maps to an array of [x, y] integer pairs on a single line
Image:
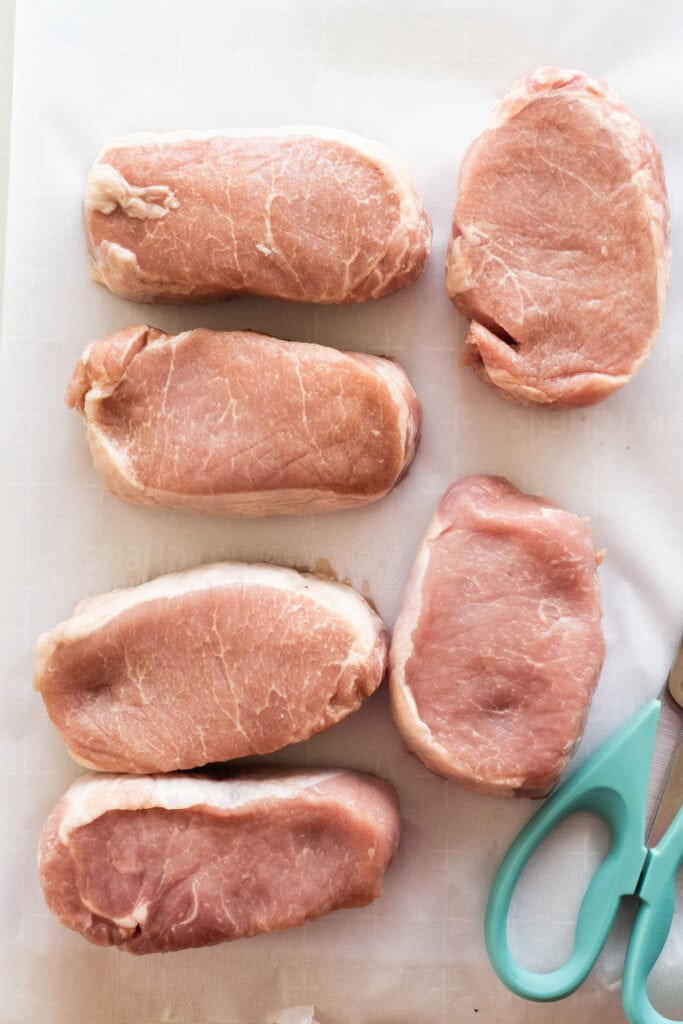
{"points": [[153, 864], [240, 424], [560, 254], [498, 645], [218, 662], [302, 214]]}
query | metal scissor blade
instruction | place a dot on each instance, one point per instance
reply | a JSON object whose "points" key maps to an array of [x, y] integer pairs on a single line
{"points": [[665, 795]]}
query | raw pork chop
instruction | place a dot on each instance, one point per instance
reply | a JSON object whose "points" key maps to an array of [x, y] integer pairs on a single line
{"points": [[242, 424], [155, 864], [498, 646], [560, 252], [303, 214], [218, 662]]}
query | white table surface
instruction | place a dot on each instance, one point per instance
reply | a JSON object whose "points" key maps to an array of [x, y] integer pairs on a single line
{"points": [[6, 50], [422, 78]]}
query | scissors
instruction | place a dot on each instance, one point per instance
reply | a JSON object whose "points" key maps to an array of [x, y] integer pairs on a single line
{"points": [[612, 783]]}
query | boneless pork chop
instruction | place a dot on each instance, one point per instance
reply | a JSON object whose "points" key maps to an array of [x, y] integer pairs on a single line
{"points": [[240, 424], [302, 214], [218, 662], [153, 864], [498, 645], [560, 254]]}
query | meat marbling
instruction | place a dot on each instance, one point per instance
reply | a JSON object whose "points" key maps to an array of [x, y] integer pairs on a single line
{"points": [[154, 864], [214, 663], [559, 253], [241, 424], [498, 644], [305, 214]]}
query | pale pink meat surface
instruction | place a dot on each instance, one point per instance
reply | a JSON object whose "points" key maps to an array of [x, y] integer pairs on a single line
{"points": [[241, 424], [498, 644], [559, 252], [215, 663], [155, 864], [301, 214]]}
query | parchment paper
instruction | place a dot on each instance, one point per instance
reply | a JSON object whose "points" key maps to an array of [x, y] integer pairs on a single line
{"points": [[423, 78]]}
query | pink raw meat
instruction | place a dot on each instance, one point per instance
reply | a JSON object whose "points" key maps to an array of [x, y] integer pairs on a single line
{"points": [[498, 645], [214, 663], [241, 424], [302, 214], [153, 864], [560, 254]]}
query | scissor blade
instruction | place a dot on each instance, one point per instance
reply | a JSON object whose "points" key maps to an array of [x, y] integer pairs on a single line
{"points": [[666, 778]]}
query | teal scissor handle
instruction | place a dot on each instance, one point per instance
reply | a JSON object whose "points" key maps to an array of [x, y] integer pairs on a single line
{"points": [[652, 924], [613, 784]]}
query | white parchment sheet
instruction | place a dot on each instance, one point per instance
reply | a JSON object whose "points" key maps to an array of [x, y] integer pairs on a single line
{"points": [[422, 77]]}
